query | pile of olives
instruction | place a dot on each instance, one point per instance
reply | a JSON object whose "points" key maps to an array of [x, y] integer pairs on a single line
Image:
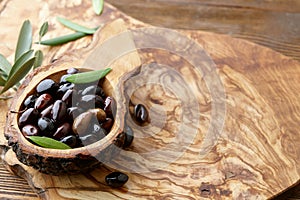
{"points": [[75, 114]]}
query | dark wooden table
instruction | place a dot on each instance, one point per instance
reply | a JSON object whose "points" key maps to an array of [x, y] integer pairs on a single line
{"points": [[271, 23]]}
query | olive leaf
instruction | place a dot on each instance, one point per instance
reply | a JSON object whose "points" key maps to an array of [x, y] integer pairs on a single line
{"points": [[43, 30], [24, 40], [19, 74], [20, 62], [88, 77], [5, 66], [39, 59], [2, 81], [76, 27], [98, 6], [63, 39], [48, 142]]}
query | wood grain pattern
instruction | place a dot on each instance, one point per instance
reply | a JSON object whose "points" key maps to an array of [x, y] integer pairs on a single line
{"points": [[262, 111], [274, 23]]}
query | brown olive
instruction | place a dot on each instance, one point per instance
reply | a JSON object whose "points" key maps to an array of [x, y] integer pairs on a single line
{"points": [[43, 101], [28, 117], [59, 111], [30, 130]]}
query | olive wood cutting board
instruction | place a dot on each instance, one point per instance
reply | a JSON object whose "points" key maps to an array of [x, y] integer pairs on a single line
{"points": [[225, 130]]}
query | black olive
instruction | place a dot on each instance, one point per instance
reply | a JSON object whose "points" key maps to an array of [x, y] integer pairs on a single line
{"points": [[88, 139], [110, 106], [72, 71], [67, 97], [70, 140], [30, 101], [47, 111], [140, 113], [46, 126], [93, 89], [47, 86], [59, 111], [128, 136], [43, 101], [91, 101], [73, 112], [30, 130], [62, 131], [107, 124], [28, 117], [116, 179], [64, 88], [63, 79]]}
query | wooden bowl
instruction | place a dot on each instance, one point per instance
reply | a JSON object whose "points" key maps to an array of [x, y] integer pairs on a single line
{"points": [[53, 161]]}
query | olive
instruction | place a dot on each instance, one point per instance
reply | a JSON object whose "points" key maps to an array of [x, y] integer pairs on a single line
{"points": [[30, 130], [116, 179], [70, 140], [47, 86], [64, 88], [128, 136], [59, 110], [93, 89], [88, 139], [67, 97], [107, 124], [43, 101], [110, 106], [63, 79], [47, 111], [62, 131], [46, 126], [29, 101], [91, 101], [73, 112], [81, 124], [140, 113], [97, 130], [28, 117], [72, 71]]}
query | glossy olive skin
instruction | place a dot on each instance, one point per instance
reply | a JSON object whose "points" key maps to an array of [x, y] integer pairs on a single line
{"points": [[46, 126], [43, 101], [28, 117], [47, 86], [129, 136], [140, 113], [50, 111], [58, 111], [30, 130], [70, 140], [116, 179], [30, 101]]}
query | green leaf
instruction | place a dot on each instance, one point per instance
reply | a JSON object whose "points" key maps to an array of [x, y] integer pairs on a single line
{"points": [[88, 77], [20, 62], [39, 59], [63, 39], [76, 27], [48, 142], [5, 66], [98, 6], [2, 81], [24, 40], [43, 29], [18, 75]]}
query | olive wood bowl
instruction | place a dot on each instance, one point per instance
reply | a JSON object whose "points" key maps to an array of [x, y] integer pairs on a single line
{"points": [[53, 161]]}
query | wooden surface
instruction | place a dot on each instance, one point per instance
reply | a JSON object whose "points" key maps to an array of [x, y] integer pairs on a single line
{"points": [[229, 67]]}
